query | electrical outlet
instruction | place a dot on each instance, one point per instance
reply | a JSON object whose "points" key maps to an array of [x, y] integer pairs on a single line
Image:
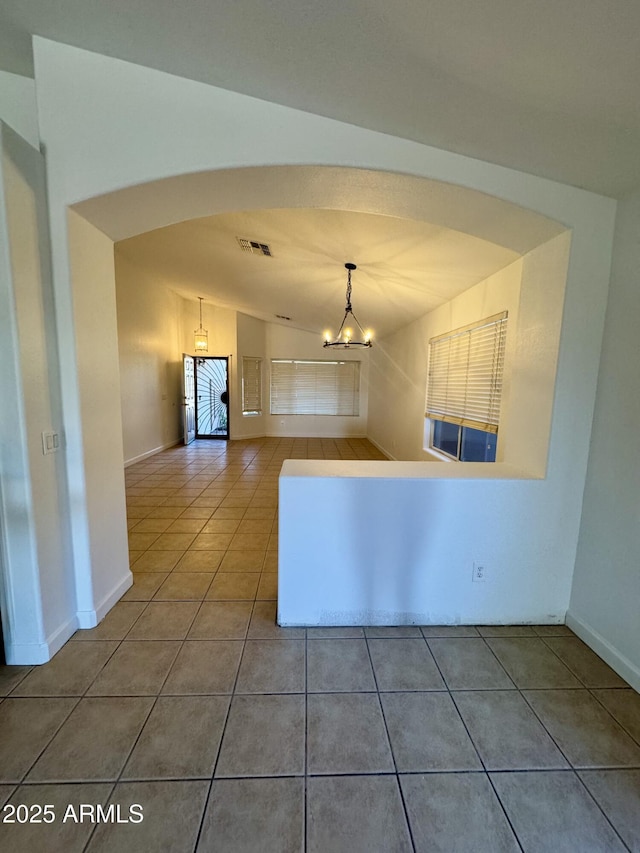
{"points": [[480, 573]]}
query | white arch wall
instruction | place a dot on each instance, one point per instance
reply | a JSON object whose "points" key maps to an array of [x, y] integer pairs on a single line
{"points": [[108, 125], [37, 596]]}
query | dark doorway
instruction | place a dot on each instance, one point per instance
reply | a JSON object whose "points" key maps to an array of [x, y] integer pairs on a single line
{"points": [[212, 396]]}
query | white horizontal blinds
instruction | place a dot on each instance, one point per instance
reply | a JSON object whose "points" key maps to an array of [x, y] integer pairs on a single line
{"points": [[251, 385], [465, 374], [315, 387]]}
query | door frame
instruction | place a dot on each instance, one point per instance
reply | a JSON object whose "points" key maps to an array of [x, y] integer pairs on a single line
{"points": [[197, 360], [188, 399]]}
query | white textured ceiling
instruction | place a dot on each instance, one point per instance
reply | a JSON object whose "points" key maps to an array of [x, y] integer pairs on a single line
{"points": [[405, 268], [548, 87]]}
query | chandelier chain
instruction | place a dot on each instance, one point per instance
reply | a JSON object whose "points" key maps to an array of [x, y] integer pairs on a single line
{"points": [[345, 341]]}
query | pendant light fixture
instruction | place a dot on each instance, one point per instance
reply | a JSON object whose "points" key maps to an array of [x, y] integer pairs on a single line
{"points": [[345, 337], [201, 336]]}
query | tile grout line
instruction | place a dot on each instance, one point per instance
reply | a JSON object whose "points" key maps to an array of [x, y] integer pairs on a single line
{"points": [[156, 697], [636, 740], [50, 741], [222, 734], [564, 663], [600, 809], [520, 691], [571, 767], [473, 743], [591, 688], [393, 757], [95, 826], [78, 697]]}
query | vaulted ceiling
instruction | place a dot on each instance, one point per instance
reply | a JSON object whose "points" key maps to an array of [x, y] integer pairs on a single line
{"points": [[404, 268], [417, 243]]}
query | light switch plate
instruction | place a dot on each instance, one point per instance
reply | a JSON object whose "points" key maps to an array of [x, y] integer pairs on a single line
{"points": [[50, 442]]}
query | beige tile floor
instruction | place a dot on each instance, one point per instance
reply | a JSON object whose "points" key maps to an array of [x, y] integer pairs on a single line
{"points": [[236, 735]]}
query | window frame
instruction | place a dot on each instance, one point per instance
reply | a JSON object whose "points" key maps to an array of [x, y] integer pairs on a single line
{"points": [[247, 410]]}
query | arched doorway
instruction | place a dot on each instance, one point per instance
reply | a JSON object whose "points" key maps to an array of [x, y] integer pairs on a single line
{"points": [[135, 210]]}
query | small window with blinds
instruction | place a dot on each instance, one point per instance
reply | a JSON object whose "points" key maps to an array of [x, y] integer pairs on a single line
{"points": [[464, 389], [315, 387], [251, 386]]}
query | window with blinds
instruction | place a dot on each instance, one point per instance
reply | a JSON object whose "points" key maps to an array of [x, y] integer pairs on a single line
{"points": [[464, 384], [251, 386], [315, 387]]}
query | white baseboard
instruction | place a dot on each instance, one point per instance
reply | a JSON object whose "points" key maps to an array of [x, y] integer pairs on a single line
{"points": [[30, 654], [298, 434], [381, 449], [620, 663], [143, 456], [90, 618]]}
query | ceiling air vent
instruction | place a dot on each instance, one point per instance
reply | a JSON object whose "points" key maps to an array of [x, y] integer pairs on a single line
{"points": [[254, 247]]}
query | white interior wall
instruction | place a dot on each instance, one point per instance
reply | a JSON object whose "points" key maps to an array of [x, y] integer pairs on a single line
{"points": [[155, 327], [221, 323], [399, 363], [605, 597], [105, 125], [18, 106], [37, 592], [150, 357], [532, 290], [105, 576], [284, 342]]}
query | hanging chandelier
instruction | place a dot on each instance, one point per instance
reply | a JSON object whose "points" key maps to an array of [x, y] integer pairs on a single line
{"points": [[345, 338], [201, 336]]}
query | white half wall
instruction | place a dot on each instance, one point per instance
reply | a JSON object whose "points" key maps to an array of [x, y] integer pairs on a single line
{"points": [[394, 543], [605, 598]]}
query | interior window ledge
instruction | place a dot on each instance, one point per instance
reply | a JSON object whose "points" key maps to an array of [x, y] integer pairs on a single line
{"points": [[441, 457]]}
